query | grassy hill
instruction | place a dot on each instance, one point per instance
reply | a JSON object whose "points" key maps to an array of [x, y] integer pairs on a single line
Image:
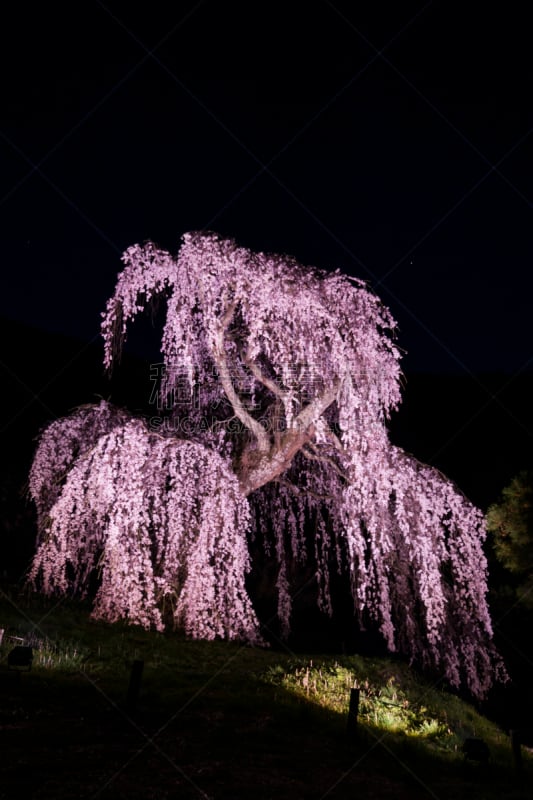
{"points": [[217, 720]]}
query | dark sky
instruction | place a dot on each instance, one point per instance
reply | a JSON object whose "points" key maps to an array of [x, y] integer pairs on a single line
{"points": [[390, 140]]}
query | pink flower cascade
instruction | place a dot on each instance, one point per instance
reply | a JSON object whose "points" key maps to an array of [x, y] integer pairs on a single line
{"points": [[163, 521], [305, 363]]}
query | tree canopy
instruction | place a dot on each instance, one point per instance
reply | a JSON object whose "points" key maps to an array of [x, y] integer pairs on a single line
{"points": [[510, 522], [278, 380]]}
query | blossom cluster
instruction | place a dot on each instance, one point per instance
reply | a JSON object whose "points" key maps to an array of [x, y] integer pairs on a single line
{"points": [[160, 523], [275, 388]]}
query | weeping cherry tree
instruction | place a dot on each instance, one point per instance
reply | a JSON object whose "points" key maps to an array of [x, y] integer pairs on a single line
{"points": [[290, 374]]}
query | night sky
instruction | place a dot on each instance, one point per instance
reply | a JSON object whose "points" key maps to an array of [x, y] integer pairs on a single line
{"points": [[390, 140]]}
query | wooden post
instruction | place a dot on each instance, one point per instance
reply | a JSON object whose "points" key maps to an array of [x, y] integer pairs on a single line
{"points": [[353, 711], [135, 682], [516, 748]]}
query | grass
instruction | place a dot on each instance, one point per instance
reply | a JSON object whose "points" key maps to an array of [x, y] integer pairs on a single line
{"points": [[218, 720], [396, 701]]}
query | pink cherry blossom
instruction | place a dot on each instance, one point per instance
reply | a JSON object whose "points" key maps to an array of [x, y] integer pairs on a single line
{"points": [[294, 373]]}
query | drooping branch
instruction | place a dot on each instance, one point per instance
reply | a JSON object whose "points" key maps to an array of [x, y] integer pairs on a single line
{"points": [[154, 515], [168, 516], [314, 454]]}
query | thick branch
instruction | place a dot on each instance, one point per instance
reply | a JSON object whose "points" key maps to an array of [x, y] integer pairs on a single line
{"points": [[276, 462], [272, 386], [314, 410], [302, 431], [241, 413]]}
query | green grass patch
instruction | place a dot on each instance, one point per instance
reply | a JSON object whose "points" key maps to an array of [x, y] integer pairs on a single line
{"points": [[256, 700]]}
